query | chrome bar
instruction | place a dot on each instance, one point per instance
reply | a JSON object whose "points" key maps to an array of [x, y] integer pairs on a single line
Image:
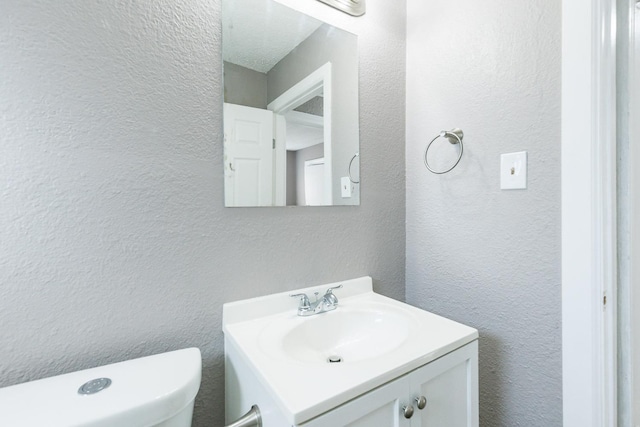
{"points": [[250, 419]]}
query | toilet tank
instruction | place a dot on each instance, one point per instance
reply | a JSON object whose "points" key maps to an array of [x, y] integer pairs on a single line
{"points": [[151, 391]]}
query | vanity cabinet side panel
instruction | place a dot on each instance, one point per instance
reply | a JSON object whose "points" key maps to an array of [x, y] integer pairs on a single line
{"points": [[380, 407], [450, 385], [243, 389]]}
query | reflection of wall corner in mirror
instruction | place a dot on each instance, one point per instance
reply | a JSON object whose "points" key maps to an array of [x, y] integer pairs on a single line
{"points": [[352, 7]]}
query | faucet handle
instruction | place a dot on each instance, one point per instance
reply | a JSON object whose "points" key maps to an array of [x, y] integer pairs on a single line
{"points": [[304, 301], [330, 300], [330, 290]]}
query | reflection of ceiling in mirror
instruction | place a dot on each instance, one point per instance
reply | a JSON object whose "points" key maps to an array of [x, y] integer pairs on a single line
{"points": [[301, 136], [257, 34], [313, 106], [303, 130]]}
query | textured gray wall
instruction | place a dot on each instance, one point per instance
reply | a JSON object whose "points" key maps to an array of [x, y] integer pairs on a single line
{"points": [[115, 241], [313, 106], [482, 256], [244, 86], [291, 178]]}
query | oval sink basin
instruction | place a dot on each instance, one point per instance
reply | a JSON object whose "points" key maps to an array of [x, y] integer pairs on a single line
{"points": [[340, 336]]}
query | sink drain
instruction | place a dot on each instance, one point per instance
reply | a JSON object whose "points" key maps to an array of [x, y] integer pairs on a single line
{"points": [[334, 359]]}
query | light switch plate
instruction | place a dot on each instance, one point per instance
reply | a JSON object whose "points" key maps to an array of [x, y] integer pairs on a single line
{"points": [[513, 171], [345, 186]]}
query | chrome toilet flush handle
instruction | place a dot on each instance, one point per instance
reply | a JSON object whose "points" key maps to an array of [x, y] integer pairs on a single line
{"points": [[253, 418]]}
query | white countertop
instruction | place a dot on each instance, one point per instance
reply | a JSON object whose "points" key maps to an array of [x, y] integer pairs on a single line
{"points": [[303, 389]]}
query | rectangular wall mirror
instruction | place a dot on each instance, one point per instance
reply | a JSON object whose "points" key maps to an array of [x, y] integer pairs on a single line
{"points": [[291, 123]]}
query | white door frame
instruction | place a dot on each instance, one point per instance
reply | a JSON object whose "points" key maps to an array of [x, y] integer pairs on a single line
{"points": [[318, 82], [589, 213]]}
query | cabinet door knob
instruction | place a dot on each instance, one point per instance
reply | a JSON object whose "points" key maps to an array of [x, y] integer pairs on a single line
{"points": [[407, 411], [421, 402]]}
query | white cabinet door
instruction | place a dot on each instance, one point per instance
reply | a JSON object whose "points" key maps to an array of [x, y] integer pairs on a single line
{"points": [[450, 386], [381, 407]]}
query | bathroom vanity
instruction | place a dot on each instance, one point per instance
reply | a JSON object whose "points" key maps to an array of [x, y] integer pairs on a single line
{"points": [[367, 361]]}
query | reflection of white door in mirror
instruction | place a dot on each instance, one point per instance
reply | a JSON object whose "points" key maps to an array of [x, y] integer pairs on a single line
{"points": [[314, 182], [248, 151]]}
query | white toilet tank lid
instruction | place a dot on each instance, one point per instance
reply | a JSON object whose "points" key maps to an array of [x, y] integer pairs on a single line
{"points": [[142, 392]]}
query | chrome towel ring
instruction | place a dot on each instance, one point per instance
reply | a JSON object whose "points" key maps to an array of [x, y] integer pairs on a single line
{"points": [[350, 163], [455, 137]]}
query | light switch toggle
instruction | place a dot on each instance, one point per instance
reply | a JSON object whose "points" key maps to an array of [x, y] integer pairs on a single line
{"points": [[513, 171], [345, 187]]}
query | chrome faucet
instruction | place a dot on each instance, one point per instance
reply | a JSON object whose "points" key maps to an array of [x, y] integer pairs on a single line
{"points": [[328, 302]]}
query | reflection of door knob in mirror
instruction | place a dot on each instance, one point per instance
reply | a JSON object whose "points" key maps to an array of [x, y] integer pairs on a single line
{"points": [[407, 411], [421, 402]]}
